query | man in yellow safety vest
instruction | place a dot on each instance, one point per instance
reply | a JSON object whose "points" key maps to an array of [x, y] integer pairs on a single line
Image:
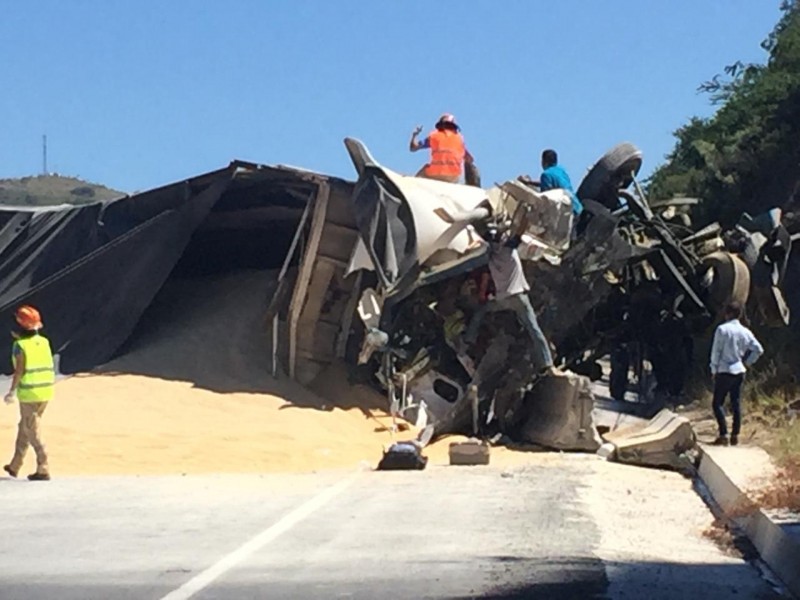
{"points": [[33, 385]]}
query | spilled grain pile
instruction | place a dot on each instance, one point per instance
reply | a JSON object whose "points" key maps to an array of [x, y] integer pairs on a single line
{"points": [[192, 393]]}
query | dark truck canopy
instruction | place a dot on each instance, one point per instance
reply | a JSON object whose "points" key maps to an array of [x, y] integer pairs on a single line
{"points": [[93, 269]]}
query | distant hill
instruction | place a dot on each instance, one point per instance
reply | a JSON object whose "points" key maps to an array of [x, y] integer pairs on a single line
{"points": [[47, 190]]}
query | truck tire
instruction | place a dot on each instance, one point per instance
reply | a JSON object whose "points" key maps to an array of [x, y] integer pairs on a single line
{"points": [[611, 173], [731, 281]]}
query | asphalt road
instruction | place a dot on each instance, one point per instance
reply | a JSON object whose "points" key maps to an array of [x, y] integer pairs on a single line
{"points": [[562, 526]]}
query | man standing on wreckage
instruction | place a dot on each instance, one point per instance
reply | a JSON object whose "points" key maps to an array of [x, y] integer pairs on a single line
{"points": [[511, 289]]}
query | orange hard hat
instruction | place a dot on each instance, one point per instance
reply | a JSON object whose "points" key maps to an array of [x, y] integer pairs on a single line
{"points": [[28, 317]]}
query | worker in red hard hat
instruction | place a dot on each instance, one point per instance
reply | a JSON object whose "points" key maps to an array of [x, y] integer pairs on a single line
{"points": [[33, 385], [448, 151]]}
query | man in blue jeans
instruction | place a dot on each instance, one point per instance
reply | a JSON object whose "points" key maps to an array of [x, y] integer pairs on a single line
{"points": [[734, 349], [511, 294]]}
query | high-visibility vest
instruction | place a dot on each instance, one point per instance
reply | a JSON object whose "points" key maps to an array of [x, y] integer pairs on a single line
{"points": [[38, 380], [447, 153]]}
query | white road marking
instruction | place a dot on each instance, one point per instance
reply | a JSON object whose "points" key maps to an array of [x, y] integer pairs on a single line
{"points": [[226, 563]]}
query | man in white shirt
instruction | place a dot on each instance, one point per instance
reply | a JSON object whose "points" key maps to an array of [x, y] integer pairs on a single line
{"points": [[734, 349], [511, 287], [511, 293]]}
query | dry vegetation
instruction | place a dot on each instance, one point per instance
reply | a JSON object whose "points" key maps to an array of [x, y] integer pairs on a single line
{"points": [[784, 492], [721, 534]]}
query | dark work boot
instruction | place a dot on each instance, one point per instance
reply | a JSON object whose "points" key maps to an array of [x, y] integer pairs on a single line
{"points": [[721, 441], [38, 477], [734, 440], [11, 473]]}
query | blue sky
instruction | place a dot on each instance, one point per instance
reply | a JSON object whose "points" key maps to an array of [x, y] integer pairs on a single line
{"points": [[135, 94]]}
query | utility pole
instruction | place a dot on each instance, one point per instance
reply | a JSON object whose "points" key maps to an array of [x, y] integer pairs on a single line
{"points": [[44, 154]]}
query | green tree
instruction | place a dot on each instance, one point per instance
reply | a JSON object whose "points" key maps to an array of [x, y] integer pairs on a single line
{"points": [[747, 156]]}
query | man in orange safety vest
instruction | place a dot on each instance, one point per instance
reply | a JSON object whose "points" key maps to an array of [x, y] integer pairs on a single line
{"points": [[448, 152]]}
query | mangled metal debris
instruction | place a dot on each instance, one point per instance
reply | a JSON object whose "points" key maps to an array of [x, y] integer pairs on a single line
{"points": [[628, 279], [429, 273]]}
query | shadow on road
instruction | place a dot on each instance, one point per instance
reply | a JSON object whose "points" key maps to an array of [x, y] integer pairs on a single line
{"points": [[590, 579]]}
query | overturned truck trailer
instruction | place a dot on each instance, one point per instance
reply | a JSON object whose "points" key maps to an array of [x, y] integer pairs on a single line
{"points": [[94, 269]]}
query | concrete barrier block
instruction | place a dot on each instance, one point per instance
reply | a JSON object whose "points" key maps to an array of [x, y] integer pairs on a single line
{"points": [[661, 442], [560, 414]]}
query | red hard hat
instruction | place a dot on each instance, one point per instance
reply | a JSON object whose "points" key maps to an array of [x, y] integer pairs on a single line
{"points": [[28, 317]]}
